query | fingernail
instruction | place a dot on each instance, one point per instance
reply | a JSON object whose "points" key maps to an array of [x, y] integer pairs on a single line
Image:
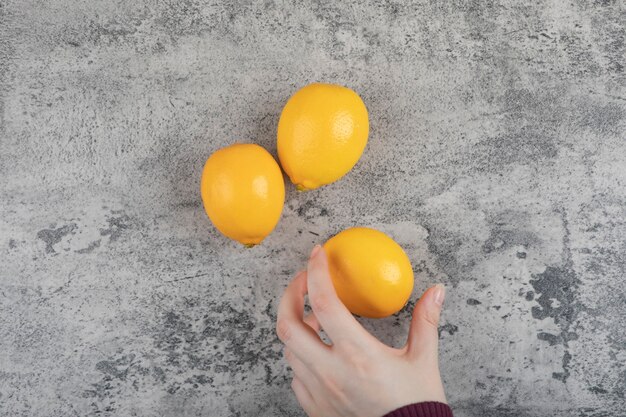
{"points": [[315, 250], [440, 294]]}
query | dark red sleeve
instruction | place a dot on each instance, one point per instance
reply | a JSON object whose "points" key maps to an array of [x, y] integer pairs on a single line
{"points": [[427, 409]]}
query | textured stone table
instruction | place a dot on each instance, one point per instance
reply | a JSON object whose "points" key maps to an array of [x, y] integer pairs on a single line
{"points": [[497, 158]]}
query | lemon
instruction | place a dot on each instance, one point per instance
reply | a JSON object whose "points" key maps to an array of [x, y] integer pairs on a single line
{"points": [[322, 133], [371, 273], [243, 192]]}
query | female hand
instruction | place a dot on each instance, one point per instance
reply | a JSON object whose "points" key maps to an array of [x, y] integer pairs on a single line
{"points": [[356, 375]]}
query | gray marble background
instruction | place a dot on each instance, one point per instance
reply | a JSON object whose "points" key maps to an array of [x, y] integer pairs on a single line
{"points": [[497, 158]]}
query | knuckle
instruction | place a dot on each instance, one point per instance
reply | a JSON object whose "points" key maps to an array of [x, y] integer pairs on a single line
{"points": [[430, 318], [283, 330], [331, 384], [357, 359], [320, 302], [361, 365], [346, 348]]}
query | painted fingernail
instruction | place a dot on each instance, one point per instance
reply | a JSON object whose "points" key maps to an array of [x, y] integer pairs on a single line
{"points": [[315, 250], [440, 294]]}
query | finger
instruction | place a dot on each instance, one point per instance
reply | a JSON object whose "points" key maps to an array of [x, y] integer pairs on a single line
{"points": [[423, 334], [292, 331], [332, 315], [304, 398], [311, 320]]}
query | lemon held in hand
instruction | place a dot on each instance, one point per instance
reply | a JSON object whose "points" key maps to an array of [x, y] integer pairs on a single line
{"points": [[371, 273], [243, 192], [322, 133]]}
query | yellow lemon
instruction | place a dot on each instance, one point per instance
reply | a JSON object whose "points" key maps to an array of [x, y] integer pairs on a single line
{"points": [[322, 133], [243, 192], [371, 273]]}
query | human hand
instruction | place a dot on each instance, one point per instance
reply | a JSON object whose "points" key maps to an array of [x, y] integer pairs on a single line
{"points": [[357, 375]]}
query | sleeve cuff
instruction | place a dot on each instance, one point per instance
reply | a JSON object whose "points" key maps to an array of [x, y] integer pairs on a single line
{"points": [[425, 409]]}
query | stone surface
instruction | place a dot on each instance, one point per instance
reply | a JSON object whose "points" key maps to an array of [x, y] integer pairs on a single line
{"points": [[497, 158]]}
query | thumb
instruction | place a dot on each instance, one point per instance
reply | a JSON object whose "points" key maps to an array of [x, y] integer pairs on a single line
{"points": [[423, 334]]}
